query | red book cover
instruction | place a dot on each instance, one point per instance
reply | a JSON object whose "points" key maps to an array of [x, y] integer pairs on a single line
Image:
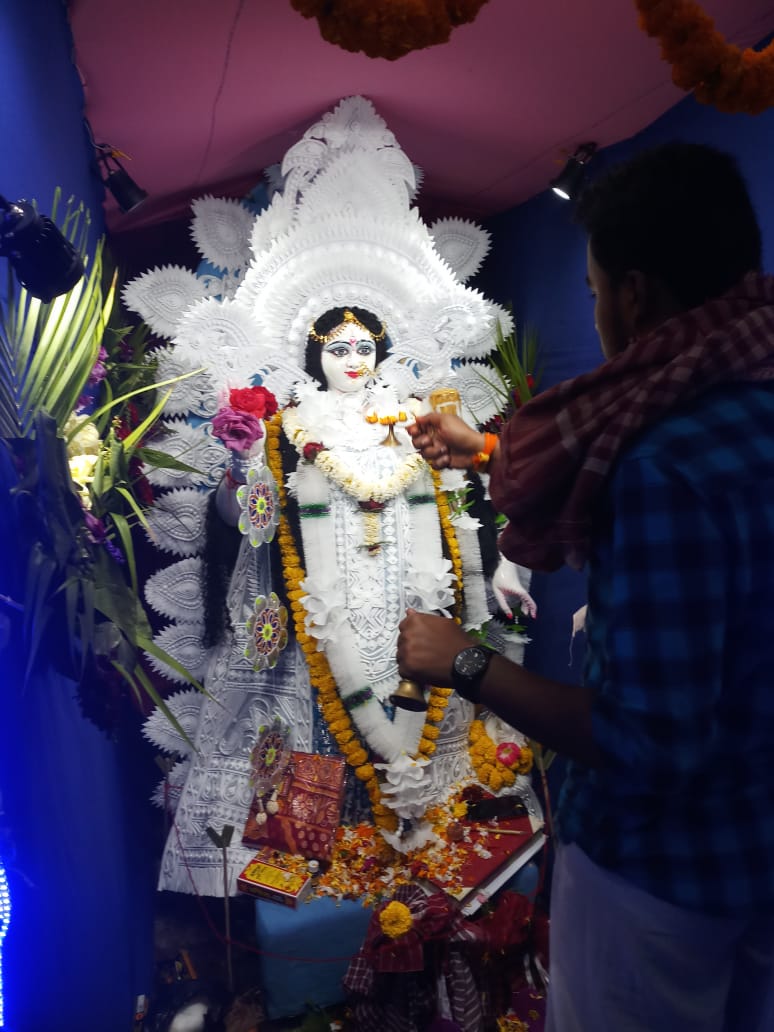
{"points": [[510, 842], [309, 800]]}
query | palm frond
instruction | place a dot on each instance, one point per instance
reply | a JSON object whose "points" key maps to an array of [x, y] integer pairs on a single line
{"points": [[47, 350]]}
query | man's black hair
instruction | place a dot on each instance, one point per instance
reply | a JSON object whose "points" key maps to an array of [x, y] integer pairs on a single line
{"points": [[680, 212], [329, 321]]}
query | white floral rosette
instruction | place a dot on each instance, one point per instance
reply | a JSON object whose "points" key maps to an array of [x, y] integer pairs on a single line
{"points": [[259, 504]]}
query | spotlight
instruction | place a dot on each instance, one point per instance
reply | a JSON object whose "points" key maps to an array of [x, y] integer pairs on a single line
{"points": [[45, 262], [567, 184], [115, 177]]}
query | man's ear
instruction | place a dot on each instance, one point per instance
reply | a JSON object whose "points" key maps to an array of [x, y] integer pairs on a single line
{"points": [[645, 302], [636, 300]]}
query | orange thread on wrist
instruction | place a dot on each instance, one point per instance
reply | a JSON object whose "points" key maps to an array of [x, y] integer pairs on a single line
{"points": [[481, 459]]}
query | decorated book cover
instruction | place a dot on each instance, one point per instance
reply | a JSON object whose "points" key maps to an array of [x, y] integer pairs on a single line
{"points": [[267, 878], [309, 801], [496, 851]]}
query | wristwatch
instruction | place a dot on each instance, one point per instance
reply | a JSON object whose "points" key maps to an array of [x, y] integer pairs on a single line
{"points": [[468, 671]]}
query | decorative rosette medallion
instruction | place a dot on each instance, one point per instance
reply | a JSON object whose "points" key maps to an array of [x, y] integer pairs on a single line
{"points": [[267, 633], [268, 762], [260, 506]]}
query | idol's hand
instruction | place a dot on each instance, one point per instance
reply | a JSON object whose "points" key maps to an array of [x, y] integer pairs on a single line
{"points": [[427, 646], [507, 585], [445, 440]]}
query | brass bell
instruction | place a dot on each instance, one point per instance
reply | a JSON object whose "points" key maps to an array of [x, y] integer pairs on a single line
{"points": [[409, 696]]}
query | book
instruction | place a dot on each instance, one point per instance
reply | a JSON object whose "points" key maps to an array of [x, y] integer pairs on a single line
{"points": [[309, 802], [511, 844]]}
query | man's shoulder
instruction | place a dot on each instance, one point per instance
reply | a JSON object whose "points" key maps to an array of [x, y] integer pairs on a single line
{"points": [[727, 428]]}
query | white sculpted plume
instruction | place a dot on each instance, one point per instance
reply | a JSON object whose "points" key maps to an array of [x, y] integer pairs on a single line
{"points": [[311, 252]]}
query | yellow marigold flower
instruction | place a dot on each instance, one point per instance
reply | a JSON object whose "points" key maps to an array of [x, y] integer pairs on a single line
{"points": [[365, 772], [431, 733], [524, 765], [495, 781], [460, 810], [435, 714], [426, 747], [355, 756], [395, 920]]}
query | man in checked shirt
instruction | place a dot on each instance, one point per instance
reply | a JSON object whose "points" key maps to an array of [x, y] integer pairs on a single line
{"points": [[656, 471]]}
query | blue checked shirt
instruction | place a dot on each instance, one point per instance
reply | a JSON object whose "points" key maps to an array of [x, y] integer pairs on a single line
{"points": [[681, 657]]}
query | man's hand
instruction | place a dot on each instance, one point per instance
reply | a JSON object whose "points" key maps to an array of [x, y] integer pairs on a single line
{"points": [[445, 440], [427, 646]]}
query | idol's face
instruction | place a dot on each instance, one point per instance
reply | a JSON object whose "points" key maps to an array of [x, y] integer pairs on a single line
{"points": [[348, 359]]}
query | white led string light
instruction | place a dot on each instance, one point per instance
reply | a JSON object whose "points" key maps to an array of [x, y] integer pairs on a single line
{"points": [[5, 917]]}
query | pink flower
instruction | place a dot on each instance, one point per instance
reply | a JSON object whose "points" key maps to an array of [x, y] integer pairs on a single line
{"points": [[237, 430], [508, 753]]}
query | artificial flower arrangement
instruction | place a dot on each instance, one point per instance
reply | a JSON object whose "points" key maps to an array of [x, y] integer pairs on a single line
{"points": [[237, 422], [719, 73], [75, 418], [388, 28]]}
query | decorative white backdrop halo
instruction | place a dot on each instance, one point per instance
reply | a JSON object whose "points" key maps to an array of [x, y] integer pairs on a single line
{"points": [[341, 229]]}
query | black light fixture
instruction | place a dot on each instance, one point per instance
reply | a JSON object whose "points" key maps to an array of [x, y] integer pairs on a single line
{"points": [[567, 184], [118, 181], [45, 262]]}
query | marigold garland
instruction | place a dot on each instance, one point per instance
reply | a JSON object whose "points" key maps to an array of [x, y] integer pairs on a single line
{"points": [[450, 540], [719, 73], [395, 920], [333, 711], [490, 772], [388, 28]]}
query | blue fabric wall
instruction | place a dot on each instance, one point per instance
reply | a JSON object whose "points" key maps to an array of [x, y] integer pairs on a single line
{"points": [[79, 946], [538, 262]]}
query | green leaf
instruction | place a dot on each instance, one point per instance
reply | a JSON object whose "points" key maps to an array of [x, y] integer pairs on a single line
{"points": [[133, 394], [155, 698], [133, 505], [47, 350], [114, 599], [162, 460], [125, 534], [150, 646], [139, 432], [37, 612]]}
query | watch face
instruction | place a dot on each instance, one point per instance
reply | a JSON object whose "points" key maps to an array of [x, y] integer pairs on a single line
{"points": [[471, 662]]}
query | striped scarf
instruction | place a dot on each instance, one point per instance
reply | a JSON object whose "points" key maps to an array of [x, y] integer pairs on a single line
{"points": [[558, 450]]}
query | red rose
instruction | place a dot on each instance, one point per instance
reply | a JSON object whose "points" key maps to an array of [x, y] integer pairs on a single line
{"points": [[256, 400], [312, 450]]}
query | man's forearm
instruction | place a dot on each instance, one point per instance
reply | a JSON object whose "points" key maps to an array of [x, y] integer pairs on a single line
{"points": [[556, 715]]}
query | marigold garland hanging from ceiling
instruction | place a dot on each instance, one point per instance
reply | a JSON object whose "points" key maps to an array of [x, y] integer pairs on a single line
{"points": [[388, 28], [719, 73]]}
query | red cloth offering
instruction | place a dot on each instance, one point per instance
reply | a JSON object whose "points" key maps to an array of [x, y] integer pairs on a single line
{"points": [[309, 800]]}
